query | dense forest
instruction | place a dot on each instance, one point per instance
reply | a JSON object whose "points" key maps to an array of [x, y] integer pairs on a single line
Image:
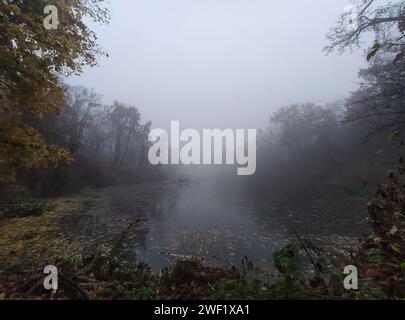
{"points": [[77, 190]]}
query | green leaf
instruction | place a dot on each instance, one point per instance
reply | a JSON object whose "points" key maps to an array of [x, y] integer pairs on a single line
{"points": [[393, 135], [373, 51]]}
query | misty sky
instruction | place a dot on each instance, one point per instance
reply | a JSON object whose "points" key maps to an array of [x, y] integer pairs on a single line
{"points": [[220, 63]]}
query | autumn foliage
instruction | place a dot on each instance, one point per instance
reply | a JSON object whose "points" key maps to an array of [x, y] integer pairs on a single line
{"points": [[31, 62]]}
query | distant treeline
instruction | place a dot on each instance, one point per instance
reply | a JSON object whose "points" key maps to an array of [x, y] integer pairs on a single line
{"points": [[343, 147], [107, 144]]}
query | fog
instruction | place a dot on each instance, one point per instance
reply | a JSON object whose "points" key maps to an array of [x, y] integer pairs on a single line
{"points": [[216, 151], [220, 63]]}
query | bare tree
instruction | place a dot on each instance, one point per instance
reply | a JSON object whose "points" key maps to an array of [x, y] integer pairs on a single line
{"points": [[379, 102], [386, 22]]}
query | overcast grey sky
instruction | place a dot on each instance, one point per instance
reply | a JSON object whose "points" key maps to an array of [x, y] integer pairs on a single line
{"points": [[220, 63]]}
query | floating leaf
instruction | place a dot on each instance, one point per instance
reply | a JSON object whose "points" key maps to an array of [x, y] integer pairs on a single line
{"points": [[393, 230], [393, 135]]}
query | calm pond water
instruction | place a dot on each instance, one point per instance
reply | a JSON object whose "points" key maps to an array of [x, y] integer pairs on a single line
{"points": [[215, 220]]}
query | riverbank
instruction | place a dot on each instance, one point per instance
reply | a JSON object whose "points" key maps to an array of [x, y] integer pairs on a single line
{"points": [[175, 224], [227, 257]]}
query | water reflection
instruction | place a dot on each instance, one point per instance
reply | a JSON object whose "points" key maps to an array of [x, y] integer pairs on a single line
{"points": [[214, 220]]}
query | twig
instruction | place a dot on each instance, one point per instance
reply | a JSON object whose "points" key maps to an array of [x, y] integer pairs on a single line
{"points": [[212, 288], [70, 283], [35, 286], [315, 264], [116, 247]]}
